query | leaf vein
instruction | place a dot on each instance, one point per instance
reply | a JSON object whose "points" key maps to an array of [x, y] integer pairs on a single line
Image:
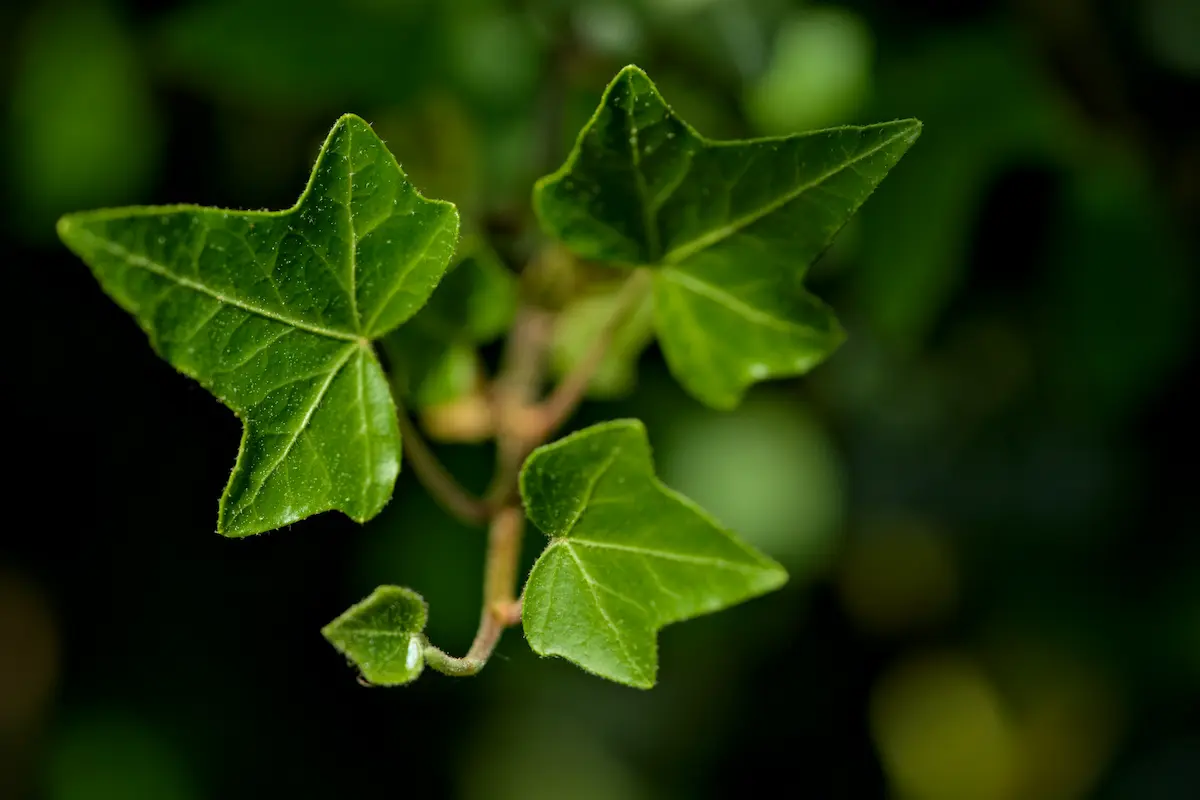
{"points": [[141, 262], [308, 415], [706, 240], [604, 615], [667, 555]]}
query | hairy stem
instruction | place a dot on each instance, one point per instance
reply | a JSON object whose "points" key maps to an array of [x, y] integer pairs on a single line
{"points": [[521, 425], [440, 484], [566, 397], [515, 390], [499, 596]]}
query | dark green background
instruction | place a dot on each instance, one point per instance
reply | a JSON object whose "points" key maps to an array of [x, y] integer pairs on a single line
{"points": [[985, 498]]}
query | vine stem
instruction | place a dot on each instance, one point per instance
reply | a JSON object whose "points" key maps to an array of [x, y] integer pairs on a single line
{"points": [[515, 390], [521, 424], [437, 480], [520, 378], [566, 397], [499, 590]]}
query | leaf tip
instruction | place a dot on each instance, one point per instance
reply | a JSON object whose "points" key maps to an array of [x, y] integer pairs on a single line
{"points": [[67, 228], [908, 130], [352, 119]]}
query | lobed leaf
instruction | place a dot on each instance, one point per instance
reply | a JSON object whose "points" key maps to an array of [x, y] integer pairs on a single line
{"points": [[275, 312], [383, 635], [627, 555], [731, 228]]}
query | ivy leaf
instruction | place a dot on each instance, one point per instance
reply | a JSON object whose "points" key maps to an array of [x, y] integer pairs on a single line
{"points": [[434, 357], [627, 555], [383, 635], [730, 228], [275, 312]]}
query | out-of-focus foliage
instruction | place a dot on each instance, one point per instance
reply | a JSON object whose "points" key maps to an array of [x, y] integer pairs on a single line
{"points": [[434, 358], [984, 497], [83, 127]]}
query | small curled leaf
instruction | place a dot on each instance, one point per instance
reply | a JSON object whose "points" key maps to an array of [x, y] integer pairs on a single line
{"points": [[383, 636]]}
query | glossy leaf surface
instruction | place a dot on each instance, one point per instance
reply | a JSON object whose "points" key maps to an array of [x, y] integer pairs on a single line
{"points": [[627, 555], [731, 227], [275, 312], [383, 635]]}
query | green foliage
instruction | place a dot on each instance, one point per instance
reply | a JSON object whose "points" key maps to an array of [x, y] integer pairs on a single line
{"points": [[274, 314], [434, 357], [382, 636], [278, 314], [730, 228], [71, 67], [627, 555]]}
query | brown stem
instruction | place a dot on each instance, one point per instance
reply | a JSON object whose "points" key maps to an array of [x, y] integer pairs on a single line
{"points": [[514, 393], [433, 476], [499, 596], [515, 390], [566, 397]]}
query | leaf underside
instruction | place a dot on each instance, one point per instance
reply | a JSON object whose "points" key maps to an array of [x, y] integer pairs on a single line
{"points": [[383, 635], [730, 228], [275, 312], [627, 555]]}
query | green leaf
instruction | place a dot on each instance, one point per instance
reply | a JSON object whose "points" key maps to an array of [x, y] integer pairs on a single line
{"points": [[627, 555], [274, 313], [582, 320], [383, 635], [731, 228], [434, 358]]}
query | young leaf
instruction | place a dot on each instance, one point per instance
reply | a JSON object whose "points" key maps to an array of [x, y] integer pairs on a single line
{"points": [[433, 358], [731, 228], [627, 555], [383, 635], [275, 312]]}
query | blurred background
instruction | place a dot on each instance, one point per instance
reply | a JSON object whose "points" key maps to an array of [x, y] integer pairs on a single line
{"points": [[983, 498]]}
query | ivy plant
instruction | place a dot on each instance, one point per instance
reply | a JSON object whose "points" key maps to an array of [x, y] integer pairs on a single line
{"points": [[323, 327]]}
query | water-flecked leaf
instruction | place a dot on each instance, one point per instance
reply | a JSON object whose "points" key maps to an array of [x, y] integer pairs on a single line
{"points": [[434, 357], [383, 635], [731, 228], [627, 555], [275, 312]]}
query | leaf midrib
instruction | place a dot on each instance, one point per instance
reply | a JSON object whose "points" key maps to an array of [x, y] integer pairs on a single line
{"points": [[592, 584], [334, 370], [372, 632], [704, 241], [730, 301], [668, 555], [141, 262]]}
